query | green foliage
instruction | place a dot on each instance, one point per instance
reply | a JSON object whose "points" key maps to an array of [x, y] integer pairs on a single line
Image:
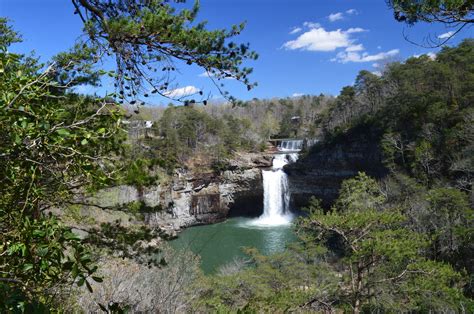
{"points": [[53, 143], [133, 243], [138, 173], [445, 11], [41, 254], [140, 207], [282, 282], [449, 222], [382, 259], [359, 193], [159, 35]]}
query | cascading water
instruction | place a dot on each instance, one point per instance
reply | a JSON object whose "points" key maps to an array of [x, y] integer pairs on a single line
{"points": [[290, 145], [276, 197]]}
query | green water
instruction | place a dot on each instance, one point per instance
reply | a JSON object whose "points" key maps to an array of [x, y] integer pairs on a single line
{"points": [[218, 244]]}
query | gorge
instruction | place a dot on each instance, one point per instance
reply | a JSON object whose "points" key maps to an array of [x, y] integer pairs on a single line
{"points": [[145, 167], [222, 243]]}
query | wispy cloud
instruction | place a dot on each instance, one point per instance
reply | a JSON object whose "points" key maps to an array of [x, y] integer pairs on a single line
{"points": [[208, 74], [182, 92], [335, 16], [430, 55], [378, 73], [319, 39], [446, 35], [311, 24], [295, 30], [358, 47], [85, 89], [353, 30], [297, 95], [345, 57]]}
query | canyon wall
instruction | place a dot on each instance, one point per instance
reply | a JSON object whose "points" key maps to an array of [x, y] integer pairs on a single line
{"points": [[187, 198], [320, 171]]}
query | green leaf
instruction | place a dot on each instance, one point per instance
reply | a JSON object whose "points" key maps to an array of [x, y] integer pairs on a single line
{"points": [[42, 251], [63, 132], [85, 258], [84, 142], [27, 267], [68, 235], [39, 233]]}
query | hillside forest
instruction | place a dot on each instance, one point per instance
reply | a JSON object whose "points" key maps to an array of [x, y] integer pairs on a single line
{"points": [[396, 243]]}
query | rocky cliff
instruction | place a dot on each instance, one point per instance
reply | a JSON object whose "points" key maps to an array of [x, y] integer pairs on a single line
{"points": [[320, 171], [187, 198]]}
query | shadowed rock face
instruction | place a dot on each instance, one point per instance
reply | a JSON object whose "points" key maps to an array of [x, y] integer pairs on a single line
{"points": [[207, 208], [325, 166], [247, 204]]}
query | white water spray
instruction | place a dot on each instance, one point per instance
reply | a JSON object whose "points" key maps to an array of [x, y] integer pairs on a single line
{"points": [[276, 193]]}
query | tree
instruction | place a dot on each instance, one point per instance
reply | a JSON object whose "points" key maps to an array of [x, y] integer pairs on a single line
{"points": [[379, 257], [456, 14], [53, 144], [149, 37], [449, 224]]}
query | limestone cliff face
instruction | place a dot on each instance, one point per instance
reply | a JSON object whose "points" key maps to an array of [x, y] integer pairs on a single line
{"points": [[320, 172], [195, 198]]}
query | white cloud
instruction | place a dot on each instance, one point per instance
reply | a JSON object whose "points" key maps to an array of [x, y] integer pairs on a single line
{"points": [[85, 89], [446, 35], [318, 39], [295, 30], [353, 30], [345, 57], [379, 47], [181, 92], [430, 55], [335, 16], [358, 47], [351, 11], [208, 74], [297, 95], [378, 73], [312, 25]]}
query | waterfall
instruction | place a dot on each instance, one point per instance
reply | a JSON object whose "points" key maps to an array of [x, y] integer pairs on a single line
{"points": [[290, 145], [276, 197]]}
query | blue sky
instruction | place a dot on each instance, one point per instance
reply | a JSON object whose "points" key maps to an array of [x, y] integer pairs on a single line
{"points": [[305, 46]]}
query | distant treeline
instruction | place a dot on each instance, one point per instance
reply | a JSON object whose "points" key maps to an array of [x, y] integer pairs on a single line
{"points": [[209, 135]]}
